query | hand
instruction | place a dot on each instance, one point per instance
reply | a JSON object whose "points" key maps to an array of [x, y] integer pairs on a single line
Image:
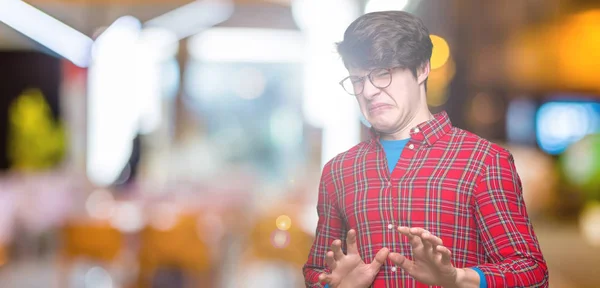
{"points": [[350, 270], [431, 264]]}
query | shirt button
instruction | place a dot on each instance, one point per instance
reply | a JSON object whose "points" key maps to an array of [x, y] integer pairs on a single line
{"points": [[390, 226], [416, 130], [394, 268], [411, 146], [389, 183]]}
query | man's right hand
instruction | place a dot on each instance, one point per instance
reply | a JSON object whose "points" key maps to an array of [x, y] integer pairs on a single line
{"points": [[350, 271]]}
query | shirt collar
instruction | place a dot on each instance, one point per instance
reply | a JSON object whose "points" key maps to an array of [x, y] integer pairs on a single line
{"points": [[429, 132]]}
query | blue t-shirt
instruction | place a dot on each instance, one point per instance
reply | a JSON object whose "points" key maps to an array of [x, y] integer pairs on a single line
{"points": [[393, 149]]}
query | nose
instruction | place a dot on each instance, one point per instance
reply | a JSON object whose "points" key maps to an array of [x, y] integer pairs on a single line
{"points": [[369, 90]]}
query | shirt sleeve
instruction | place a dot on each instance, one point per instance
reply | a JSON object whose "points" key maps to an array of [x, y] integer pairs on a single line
{"points": [[482, 282], [329, 228], [512, 249]]}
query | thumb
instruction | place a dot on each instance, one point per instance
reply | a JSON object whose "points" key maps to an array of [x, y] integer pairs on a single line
{"points": [[379, 259]]}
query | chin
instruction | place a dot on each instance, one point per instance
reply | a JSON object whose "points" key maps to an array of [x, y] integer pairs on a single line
{"points": [[381, 127]]}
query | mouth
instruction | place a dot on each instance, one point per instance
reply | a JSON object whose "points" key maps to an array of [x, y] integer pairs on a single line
{"points": [[379, 107]]}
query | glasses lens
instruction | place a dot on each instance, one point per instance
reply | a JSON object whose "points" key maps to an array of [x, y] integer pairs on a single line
{"points": [[381, 78], [353, 86]]}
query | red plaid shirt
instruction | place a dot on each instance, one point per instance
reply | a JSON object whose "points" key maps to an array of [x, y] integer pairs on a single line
{"points": [[455, 184]]}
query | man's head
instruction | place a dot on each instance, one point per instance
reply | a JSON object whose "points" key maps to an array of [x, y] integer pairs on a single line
{"points": [[396, 41]]}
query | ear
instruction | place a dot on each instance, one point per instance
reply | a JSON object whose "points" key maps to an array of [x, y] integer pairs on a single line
{"points": [[423, 72]]}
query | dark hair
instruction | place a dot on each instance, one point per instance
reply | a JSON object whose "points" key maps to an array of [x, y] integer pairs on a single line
{"points": [[386, 39]]}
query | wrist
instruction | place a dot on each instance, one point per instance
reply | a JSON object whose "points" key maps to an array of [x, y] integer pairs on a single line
{"points": [[465, 278]]}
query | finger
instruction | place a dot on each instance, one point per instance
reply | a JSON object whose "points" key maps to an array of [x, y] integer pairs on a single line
{"points": [[416, 242], [405, 231], [435, 242], [351, 242], [401, 261], [427, 245], [379, 259], [445, 254], [330, 261], [325, 278], [336, 247]]}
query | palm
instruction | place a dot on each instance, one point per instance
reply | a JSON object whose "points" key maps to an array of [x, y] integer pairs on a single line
{"points": [[431, 260], [350, 270]]}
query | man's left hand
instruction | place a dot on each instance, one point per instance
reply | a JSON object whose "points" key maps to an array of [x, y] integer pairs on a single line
{"points": [[431, 260]]}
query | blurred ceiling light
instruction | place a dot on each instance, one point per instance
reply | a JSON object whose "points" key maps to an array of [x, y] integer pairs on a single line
{"points": [[385, 5], [113, 103], [46, 30], [194, 17], [247, 45], [158, 43], [324, 103], [315, 18], [440, 53]]}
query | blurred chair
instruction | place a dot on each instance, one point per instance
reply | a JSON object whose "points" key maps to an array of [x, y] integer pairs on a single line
{"points": [[177, 249], [89, 240]]}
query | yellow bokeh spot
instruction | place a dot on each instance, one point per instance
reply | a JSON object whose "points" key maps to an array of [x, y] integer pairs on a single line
{"points": [[441, 52], [283, 222], [437, 84]]}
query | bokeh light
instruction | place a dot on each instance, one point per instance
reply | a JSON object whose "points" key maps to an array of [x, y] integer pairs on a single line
{"points": [[97, 277], [484, 109], [581, 166], [589, 222], [283, 222], [164, 216], [437, 84], [280, 239], [128, 217], [100, 204], [440, 53]]}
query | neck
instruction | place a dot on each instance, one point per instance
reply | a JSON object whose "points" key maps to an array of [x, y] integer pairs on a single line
{"points": [[421, 115]]}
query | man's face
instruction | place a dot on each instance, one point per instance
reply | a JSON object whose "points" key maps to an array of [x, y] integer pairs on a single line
{"points": [[390, 109]]}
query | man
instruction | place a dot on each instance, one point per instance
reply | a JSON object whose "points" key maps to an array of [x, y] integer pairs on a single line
{"points": [[422, 203]]}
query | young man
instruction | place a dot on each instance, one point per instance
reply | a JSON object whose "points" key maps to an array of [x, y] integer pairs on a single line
{"points": [[422, 203]]}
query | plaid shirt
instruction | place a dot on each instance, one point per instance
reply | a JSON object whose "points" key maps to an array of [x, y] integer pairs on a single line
{"points": [[458, 186]]}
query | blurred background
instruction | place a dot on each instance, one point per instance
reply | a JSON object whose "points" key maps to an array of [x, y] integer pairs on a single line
{"points": [[169, 143]]}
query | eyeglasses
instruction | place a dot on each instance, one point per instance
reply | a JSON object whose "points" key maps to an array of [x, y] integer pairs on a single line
{"points": [[379, 77]]}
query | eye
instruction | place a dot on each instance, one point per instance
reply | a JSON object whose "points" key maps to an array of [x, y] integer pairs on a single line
{"points": [[355, 80], [381, 73]]}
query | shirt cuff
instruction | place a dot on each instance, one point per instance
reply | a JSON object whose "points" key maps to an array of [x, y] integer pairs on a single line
{"points": [[482, 281]]}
